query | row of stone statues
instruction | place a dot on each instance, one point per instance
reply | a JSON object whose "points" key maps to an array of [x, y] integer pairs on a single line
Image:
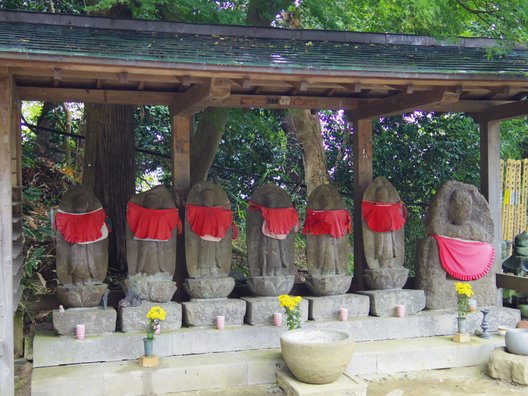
{"points": [[458, 211]]}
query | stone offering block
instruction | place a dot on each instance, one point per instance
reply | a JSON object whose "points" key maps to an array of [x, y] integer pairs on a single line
{"points": [[203, 312], [509, 367], [96, 320], [344, 386], [135, 318], [327, 307], [384, 302], [260, 310]]}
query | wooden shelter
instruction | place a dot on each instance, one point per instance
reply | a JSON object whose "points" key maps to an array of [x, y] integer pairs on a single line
{"points": [[190, 67]]}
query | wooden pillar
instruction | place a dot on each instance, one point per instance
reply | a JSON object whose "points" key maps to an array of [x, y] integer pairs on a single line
{"points": [[6, 246], [181, 184], [362, 151], [490, 183]]}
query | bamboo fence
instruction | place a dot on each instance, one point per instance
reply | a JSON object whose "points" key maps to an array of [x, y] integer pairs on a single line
{"points": [[514, 186]]}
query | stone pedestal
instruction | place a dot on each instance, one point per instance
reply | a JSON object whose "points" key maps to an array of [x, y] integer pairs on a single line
{"points": [[76, 296], [270, 285], [209, 288], [386, 278], [203, 312], [328, 285], [135, 318], [327, 307], [260, 310], [344, 386], [384, 302], [461, 337], [149, 361], [159, 287], [96, 320], [509, 367]]}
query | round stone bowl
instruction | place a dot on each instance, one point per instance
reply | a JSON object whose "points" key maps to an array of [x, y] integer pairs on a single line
{"points": [[317, 356], [517, 341]]}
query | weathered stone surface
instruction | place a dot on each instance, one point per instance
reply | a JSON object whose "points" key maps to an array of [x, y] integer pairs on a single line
{"points": [[327, 307], [270, 285], [152, 257], [384, 302], [326, 254], [135, 318], [458, 210], [158, 287], [260, 310], [205, 258], [96, 320], [508, 367], [88, 295], [386, 278], [329, 285], [267, 256], [81, 263], [344, 386], [383, 249], [209, 287], [203, 312]]}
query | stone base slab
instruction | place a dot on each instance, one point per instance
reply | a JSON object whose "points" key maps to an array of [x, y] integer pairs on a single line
{"points": [[461, 337], [344, 386], [203, 312], [96, 320], [260, 310], [509, 367], [327, 307], [384, 302], [135, 318]]}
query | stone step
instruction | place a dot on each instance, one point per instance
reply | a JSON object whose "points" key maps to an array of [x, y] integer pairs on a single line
{"points": [[215, 371], [49, 348]]}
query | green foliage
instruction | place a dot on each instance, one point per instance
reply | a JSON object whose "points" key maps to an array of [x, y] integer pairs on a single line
{"points": [[55, 6], [514, 139]]}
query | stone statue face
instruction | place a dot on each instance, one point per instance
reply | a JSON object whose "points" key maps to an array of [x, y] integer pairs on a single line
{"points": [[151, 201], [460, 207], [207, 197], [80, 204], [382, 195]]}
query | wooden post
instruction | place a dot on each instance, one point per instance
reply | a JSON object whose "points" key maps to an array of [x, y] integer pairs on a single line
{"points": [[181, 184], [6, 244], [362, 151], [490, 182]]}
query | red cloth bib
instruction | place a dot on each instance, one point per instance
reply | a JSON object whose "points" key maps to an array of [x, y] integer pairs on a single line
{"points": [[214, 221], [465, 260], [279, 221], [81, 227], [384, 216], [336, 223], [152, 224]]}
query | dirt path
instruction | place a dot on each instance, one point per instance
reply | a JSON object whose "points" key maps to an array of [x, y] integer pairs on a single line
{"points": [[467, 381]]}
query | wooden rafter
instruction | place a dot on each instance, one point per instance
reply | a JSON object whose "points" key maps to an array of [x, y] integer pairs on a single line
{"points": [[402, 103], [198, 97], [503, 112]]}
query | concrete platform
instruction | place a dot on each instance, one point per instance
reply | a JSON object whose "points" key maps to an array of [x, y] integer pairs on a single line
{"points": [[135, 318], [50, 349], [344, 386], [96, 320], [249, 368], [327, 307], [384, 302], [260, 310]]}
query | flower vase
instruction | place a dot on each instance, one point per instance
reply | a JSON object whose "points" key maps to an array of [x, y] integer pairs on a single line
{"points": [[148, 345], [461, 324]]}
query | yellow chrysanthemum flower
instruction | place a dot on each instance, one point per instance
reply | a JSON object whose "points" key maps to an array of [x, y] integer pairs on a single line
{"points": [[464, 289], [156, 312]]}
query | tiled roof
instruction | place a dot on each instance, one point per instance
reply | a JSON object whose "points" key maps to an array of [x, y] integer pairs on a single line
{"points": [[287, 54]]}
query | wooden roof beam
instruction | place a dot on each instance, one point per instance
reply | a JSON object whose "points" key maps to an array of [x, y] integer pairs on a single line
{"points": [[198, 97], [403, 103], [502, 112]]}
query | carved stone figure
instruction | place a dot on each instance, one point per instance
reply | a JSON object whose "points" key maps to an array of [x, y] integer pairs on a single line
{"points": [[271, 225], [152, 227], [517, 263], [459, 215], [82, 248], [327, 249], [383, 219], [208, 237]]}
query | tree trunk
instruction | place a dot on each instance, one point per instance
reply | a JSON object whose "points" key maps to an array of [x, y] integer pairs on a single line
{"points": [[109, 168], [307, 129], [43, 136], [205, 141]]}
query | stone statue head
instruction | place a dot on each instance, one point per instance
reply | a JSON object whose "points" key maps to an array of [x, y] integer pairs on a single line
{"points": [[460, 207], [152, 201], [381, 194], [207, 197], [80, 203]]}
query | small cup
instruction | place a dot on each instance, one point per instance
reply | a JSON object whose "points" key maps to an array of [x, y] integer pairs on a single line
{"points": [[343, 314], [220, 322], [80, 331], [472, 305], [400, 311], [277, 319]]}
